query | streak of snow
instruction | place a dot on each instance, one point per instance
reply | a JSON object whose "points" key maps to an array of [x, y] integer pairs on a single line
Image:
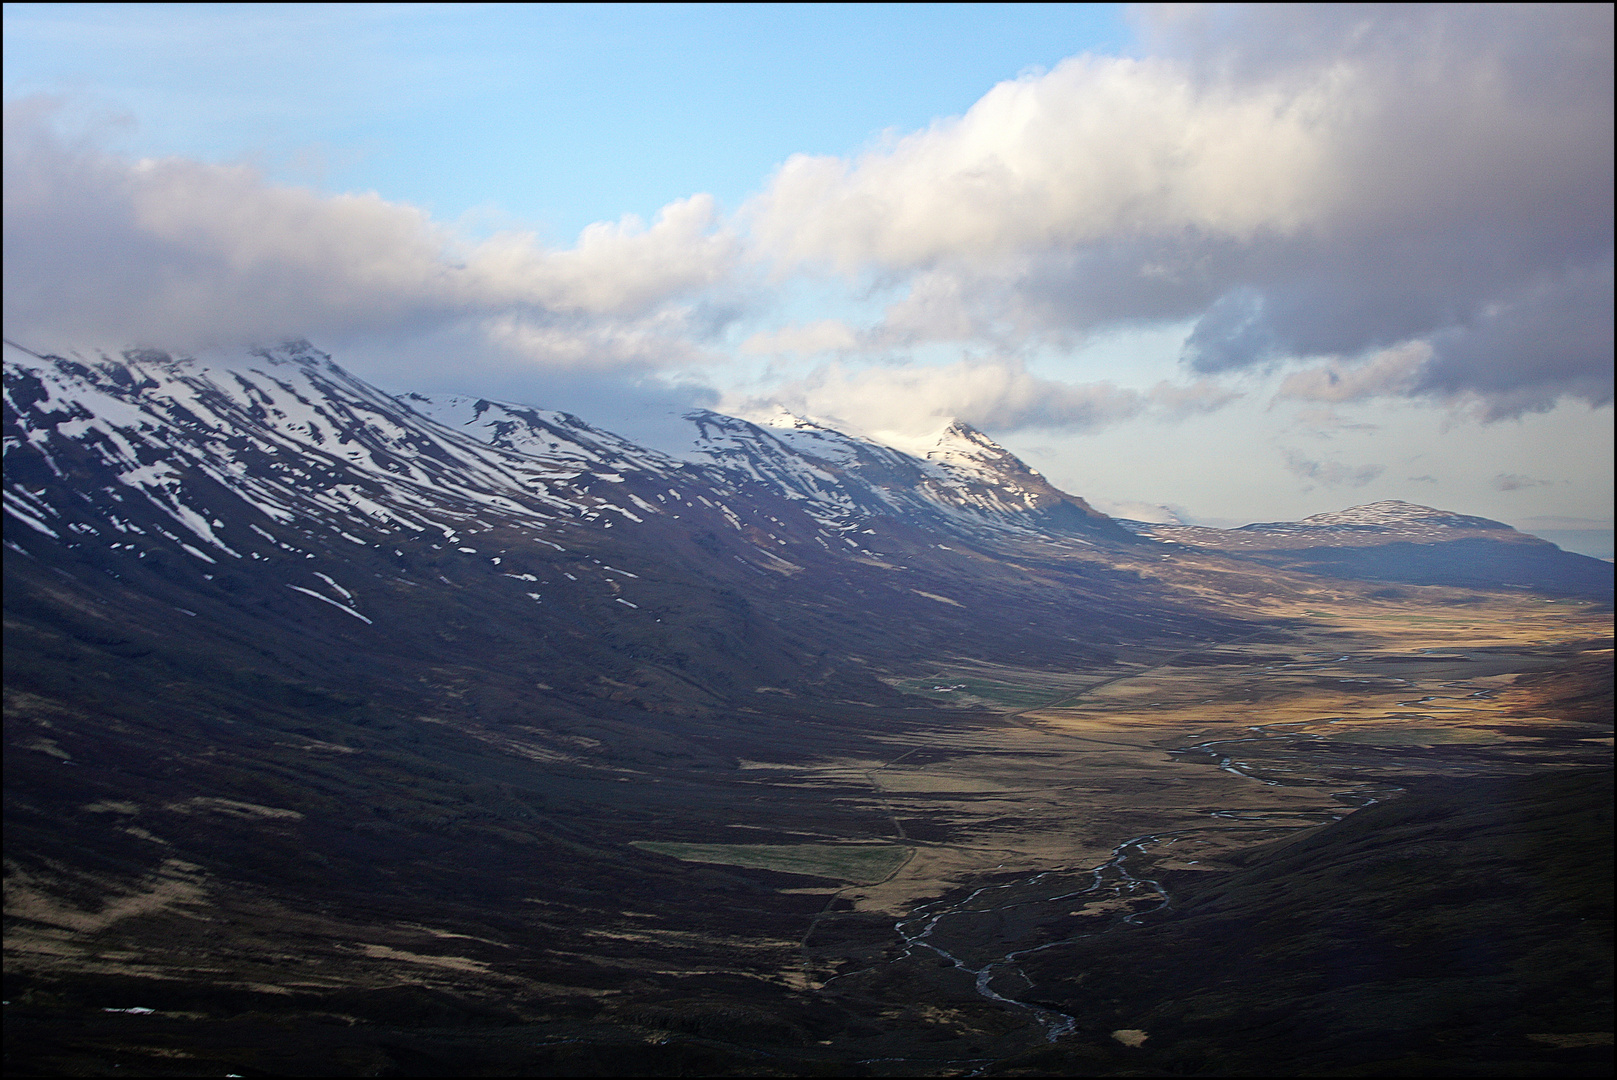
{"points": [[346, 594], [333, 603]]}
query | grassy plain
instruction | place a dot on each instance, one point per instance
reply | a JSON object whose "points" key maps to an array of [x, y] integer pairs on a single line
{"points": [[711, 895], [1223, 745], [1208, 753]]}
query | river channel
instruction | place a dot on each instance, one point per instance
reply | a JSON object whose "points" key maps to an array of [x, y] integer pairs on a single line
{"points": [[1345, 731], [989, 931]]}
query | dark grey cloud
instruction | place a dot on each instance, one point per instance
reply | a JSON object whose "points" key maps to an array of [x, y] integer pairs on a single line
{"points": [[1481, 219], [1515, 482], [1322, 182]]}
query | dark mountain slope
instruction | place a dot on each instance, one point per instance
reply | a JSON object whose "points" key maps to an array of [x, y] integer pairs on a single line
{"points": [[321, 709], [1462, 929], [291, 667], [1406, 543], [276, 485]]}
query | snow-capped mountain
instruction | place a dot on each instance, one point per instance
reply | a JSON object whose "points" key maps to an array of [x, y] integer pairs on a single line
{"points": [[561, 439], [285, 432], [299, 440], [269, 489], [1392, 540], [271, 485], [1395, 515], [958, 480], [957, 469], [1372, 523]]}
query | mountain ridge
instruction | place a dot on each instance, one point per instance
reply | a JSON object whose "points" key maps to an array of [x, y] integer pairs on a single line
{"points": [[371, 466], [1370, 522], [1397, 541], [838, 478], [337, 729], [275, 485]]}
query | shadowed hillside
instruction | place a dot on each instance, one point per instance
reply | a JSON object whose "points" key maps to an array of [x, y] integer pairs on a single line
{"points": [[1463, 929]]}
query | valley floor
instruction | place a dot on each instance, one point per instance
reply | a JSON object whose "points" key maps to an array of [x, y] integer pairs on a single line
{"points": [[916, 900]]}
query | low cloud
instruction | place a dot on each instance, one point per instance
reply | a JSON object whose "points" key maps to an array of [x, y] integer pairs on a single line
{"points": [[1331, 473], [995, 395], [1179, 400], [1515, 482], [182, 254], [1389, 373], [1325, 422], [1562, 522], [1156, 513]]}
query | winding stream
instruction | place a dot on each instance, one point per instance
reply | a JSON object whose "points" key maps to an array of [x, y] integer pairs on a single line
{"points": [[971, 933], [1109, 882], [990, 930]]}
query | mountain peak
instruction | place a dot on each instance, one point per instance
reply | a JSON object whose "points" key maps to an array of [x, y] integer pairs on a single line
{"points": [[781, 418], [955, 442], [1384, 522], [1394, 513]]}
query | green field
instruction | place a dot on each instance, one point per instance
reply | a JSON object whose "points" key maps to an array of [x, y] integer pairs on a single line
{"points": [[964, 687], [859, 864]]}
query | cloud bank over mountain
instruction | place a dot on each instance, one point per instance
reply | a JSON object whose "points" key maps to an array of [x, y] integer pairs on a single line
{"points": [[1402, 203], [1308, 182], [182, 253], [995, 394]]}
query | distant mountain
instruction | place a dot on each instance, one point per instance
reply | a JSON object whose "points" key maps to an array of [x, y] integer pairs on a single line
{"points": [[1394, 516], [957, 481], [1406, 542], [1373, 523], [307, 684], [268, 489]]}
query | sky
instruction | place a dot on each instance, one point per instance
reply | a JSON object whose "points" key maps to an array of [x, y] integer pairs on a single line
{"points": [[1208, 263]]}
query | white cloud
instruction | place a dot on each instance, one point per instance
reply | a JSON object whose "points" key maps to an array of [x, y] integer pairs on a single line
{"points": [[996, 395], [180, 254], [1097, 148], [1315, 181], [620, 268], [826, 335], [1389, 373]]}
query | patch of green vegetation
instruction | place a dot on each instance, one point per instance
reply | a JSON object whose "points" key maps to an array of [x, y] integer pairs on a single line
{"points": [[950, 687], [860, 864]]}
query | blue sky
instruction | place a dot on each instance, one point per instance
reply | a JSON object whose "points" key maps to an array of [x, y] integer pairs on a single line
{"points": [[549, 115], [1241, 263]]}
